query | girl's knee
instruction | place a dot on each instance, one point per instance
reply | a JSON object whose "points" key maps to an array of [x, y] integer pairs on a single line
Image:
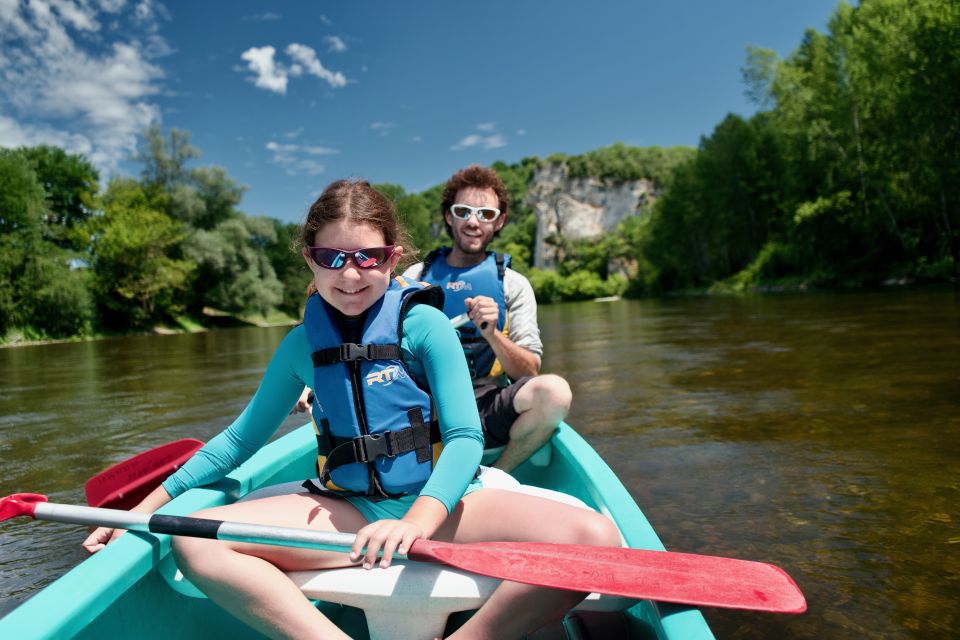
{"points": [[193, 555], [598, 530]]}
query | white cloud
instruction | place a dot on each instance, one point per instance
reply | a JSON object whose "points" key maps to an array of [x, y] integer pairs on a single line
{"points": [[486, 142], [269, 76], [521, 132], [308, 58], [335, 44], [71, 83], [274, 75], [299, 159]]}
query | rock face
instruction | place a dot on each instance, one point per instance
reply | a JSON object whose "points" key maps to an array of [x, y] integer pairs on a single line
{"points": [[579, 208]]}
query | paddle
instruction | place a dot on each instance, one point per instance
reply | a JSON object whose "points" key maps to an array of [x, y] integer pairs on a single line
{"points": [[634, 573], [126, 483]]}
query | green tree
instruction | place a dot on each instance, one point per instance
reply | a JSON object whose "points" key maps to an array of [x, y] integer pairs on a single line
{"points": [[137, 282], [234, 272], [22, 198], [70, 183], [413, 214], [290, 268], [165, 163]]}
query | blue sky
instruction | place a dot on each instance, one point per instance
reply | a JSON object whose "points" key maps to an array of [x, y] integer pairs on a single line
{"points": [[288, 96]]}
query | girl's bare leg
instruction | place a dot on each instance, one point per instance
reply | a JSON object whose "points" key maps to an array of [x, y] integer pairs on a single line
{"points": [[515, 609], [248, 580]]}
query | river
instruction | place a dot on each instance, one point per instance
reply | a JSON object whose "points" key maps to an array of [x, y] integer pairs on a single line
{"points": [[817, 431]]}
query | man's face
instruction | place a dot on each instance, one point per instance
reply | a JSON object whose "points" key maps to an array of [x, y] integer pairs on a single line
{"points": [[471, 236]]}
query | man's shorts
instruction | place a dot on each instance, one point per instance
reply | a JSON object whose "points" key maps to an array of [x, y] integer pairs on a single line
{"points": [[497, 415]]}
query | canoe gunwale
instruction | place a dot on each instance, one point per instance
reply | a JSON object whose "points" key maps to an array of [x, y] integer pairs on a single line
{"points": [[91, 588]]}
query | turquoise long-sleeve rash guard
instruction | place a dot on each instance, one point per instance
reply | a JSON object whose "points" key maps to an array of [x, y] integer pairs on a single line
{"points": [[430, 347]]}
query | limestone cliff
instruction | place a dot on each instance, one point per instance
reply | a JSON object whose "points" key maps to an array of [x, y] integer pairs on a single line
{"points": [[570, 209]]}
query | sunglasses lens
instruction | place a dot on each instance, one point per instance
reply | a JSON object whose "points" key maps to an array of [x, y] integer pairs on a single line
{"points": [[369, 258], [488, 215], [460, 211], [328, 258]]}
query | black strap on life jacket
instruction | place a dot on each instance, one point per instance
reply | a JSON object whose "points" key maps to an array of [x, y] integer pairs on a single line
{"points": [[419, 437], [500, 259], [350, 352]]}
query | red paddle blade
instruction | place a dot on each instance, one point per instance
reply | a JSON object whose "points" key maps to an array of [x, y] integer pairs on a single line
{"points": [[126, 483], [706, 581]]}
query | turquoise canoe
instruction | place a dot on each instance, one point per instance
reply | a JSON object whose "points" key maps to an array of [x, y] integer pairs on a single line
{"points": [[131, 589]]}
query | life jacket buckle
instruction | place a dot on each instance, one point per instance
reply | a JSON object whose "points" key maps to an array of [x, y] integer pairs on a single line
{"points": [[370, 447], [350, 351]]}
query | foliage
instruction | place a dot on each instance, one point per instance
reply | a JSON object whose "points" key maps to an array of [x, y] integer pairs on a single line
{"points": [[164, 163], [620, 163], [289, 267], [234, 272], [852, 175], [136, 281], [70, 184], [414, 215], [550, 286], [22, 199]]}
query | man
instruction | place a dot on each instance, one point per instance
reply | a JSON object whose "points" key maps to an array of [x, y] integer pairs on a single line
{"points": [[519, 409]]}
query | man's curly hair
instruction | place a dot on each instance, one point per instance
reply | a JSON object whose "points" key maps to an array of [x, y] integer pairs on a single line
{"points": [[479, 178]]}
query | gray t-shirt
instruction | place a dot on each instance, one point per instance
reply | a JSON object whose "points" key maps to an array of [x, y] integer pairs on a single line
{"points": [[522, 328]]}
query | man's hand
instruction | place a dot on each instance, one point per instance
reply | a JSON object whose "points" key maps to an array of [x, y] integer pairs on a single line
{"points": [[303, 404], [484, 313]]}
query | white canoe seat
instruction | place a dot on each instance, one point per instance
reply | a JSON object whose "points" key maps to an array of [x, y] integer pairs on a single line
{"points": [[388, 596]]}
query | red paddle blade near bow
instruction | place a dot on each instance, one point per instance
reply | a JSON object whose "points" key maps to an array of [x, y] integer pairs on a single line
{"points": [[666, 576], [127, 483]]}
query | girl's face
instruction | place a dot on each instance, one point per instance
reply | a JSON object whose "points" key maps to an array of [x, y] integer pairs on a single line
{"points": [[350, 289]]}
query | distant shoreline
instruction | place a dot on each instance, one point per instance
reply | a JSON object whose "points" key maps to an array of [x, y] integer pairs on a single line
{"points": [[156, 331]]}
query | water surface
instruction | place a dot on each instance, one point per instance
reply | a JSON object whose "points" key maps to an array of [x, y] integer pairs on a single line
{"points": [[820, 432]]}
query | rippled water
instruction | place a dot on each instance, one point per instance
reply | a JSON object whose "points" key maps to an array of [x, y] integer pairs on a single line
{"points": [[820, 432]]}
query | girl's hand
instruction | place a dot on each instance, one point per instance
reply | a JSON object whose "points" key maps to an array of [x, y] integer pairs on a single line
{"points": [[101, 537], [387, 536]]}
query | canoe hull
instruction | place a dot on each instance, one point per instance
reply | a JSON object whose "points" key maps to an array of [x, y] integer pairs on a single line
{"points": [[120, 592]]}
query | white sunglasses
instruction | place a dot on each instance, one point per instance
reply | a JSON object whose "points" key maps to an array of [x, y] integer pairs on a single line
{"points": [[484, 214]]}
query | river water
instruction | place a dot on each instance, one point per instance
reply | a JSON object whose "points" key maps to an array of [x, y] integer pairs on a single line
{"points": [[820, 432]]}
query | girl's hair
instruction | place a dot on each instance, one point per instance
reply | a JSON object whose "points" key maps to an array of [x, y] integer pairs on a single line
{"points": [[359, 203]]}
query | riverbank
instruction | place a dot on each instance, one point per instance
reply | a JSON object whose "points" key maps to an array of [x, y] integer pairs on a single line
{"points": [[211, 320]]}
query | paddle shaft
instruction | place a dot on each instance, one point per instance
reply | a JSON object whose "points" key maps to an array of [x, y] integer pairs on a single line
{"points": [[195, 527], [635, 573]]}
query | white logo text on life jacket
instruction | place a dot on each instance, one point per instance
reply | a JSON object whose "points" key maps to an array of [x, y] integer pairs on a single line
{"points": [[386, 376], [459, 285]]}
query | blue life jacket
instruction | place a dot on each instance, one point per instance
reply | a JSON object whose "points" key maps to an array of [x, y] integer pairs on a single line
{"points": [[374, 423], [460, 283]]}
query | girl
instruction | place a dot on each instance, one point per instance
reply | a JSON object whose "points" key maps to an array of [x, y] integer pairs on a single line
{"points": [[369, 345]]}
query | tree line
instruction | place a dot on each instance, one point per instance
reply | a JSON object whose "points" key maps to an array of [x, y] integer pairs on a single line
{"points": [[847, 175], [169, 248]]}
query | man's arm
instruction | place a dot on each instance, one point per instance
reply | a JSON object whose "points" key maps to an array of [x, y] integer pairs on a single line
{"points": [[519, 352]]}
